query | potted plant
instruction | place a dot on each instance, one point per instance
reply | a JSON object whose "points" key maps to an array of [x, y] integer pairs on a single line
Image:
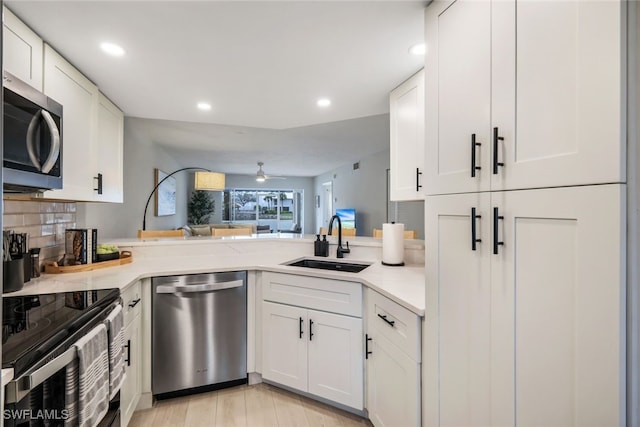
{"points": [[200, 207]]}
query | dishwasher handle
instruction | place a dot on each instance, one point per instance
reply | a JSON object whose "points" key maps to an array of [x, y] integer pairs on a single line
{"points": [[199, 288]]}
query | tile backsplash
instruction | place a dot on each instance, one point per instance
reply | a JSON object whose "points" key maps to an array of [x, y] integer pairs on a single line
{"points": [[45, 222]]}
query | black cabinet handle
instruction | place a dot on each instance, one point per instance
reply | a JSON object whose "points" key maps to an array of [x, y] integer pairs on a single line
{"points": [[418, 173], [134, 302], [474, 144], [310, 330], [366, 346], [389, 322], [496, 163], [496, 241], [301, 322], [474, 239], [128, 358], [99, 179]]}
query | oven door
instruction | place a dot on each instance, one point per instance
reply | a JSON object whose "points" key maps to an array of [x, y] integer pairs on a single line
{"points": [[46, 393], [42, 397], [38, 396]]}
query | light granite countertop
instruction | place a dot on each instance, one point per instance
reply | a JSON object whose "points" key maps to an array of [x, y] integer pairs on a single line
{"points": [[163, 257]]}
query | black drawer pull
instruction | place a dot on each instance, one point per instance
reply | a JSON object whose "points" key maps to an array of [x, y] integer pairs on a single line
{"points": [[310, 330], [366, 346], [134, 302], [474, 239], [128, 359], [496, 238], [474, 144], [99, 183], [496, 163], [384, 317], [418, 186], [301, 322]]}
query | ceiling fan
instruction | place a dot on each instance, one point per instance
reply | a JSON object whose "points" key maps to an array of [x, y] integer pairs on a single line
{"points": [[262, 177]]}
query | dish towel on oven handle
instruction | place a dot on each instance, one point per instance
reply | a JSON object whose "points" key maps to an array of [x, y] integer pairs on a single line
{"points": [[71, 393], [93, 374], [115, 325]]}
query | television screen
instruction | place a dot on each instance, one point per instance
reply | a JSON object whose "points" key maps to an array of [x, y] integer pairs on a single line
{"points": [[347, 217]]}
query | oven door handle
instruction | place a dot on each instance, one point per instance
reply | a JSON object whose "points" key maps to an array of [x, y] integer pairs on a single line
{"points": [[197, 288], [21, 386]]}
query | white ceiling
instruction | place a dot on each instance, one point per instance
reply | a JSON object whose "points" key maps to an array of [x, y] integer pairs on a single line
{"points": [[261, 64]]}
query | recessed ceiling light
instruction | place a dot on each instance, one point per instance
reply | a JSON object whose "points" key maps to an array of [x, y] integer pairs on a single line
{"points": [[324, 102], [418, 49], [204, 106], [112, 49]]}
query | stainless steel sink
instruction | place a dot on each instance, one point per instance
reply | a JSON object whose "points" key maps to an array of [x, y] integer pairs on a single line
{"points": [[329, 265]]}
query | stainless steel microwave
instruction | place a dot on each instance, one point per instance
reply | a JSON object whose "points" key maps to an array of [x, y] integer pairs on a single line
{"points": [[32, 133]]}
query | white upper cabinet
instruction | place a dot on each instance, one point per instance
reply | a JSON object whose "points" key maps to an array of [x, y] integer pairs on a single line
{"points": [[92, 135], [458, 96], [92, 126], [21, 50], [79, 99], [109, 152], [407, 139], [541, 86], [561, 113]]}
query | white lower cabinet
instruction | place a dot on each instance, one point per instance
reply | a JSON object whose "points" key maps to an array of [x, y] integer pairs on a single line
{"points": [[393, 363], [393, 384], [132, 385], [284, 348], [336, 358], [525, 320], [313, 351], [130, 391]]}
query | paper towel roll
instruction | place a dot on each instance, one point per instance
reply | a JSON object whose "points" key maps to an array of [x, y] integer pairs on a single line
{"points": [[393, 244]]}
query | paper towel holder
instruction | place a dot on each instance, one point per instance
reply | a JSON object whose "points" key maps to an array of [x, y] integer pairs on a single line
{"points": [[393, 265], [400, 264]]}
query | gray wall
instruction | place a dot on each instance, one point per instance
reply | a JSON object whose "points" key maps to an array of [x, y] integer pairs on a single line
{"points": [[141, 156], [365, 190]]}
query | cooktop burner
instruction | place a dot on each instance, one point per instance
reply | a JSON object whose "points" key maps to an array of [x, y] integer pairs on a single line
{"points": [[33, 325]]}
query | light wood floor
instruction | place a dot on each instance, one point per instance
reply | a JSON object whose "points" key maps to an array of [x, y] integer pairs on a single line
{"points": [[259, 405]]}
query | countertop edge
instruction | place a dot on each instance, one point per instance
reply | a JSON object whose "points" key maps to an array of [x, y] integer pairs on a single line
{"points": [[299, 272], [402, 285]]}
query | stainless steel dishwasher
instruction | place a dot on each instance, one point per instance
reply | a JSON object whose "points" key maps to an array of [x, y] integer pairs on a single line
{"points": [[199, 331]]}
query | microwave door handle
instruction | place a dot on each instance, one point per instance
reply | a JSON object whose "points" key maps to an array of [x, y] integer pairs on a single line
{"points": [[31, 149], [54, 153]]}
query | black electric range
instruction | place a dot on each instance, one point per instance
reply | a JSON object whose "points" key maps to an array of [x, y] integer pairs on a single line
{"points": [[34, 326]]}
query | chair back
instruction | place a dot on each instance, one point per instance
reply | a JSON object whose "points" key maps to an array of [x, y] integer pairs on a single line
{"points": [[334, 232], [160, 233], [408, 234], [241, 231]]}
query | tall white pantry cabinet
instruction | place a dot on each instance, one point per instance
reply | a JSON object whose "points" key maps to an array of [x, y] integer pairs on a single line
{"points": [[525, 178]]}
